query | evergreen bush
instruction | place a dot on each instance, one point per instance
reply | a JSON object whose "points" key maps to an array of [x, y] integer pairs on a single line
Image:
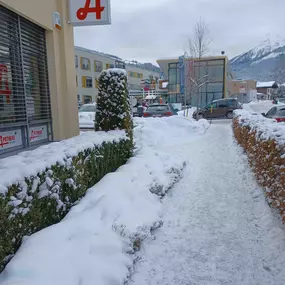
{"points": [[113, 111]]}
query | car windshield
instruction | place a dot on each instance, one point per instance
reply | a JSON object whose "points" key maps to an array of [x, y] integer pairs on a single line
{"points": [[157, 108], [87, 108]]}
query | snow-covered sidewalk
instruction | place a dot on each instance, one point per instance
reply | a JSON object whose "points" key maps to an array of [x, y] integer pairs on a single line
{"points": [[218, 229]]}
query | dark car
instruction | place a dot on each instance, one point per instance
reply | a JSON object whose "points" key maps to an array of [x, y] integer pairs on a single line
{"points": [[160, 110], [277, 113], [218, 109]]}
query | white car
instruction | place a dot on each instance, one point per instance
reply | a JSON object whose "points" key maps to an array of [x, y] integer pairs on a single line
{"points": [[86, 115]]}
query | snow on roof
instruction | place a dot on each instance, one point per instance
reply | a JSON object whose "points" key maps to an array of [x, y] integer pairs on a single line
{"points": [[268, 84]]}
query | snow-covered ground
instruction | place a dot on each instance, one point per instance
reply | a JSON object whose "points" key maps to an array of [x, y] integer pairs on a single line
{"points": [[95, 242], [218, 229], [261, 106]]}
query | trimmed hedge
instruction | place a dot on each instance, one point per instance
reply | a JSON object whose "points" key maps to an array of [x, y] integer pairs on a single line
{"points": [[113, 111], [44, 199], [266, 157]]}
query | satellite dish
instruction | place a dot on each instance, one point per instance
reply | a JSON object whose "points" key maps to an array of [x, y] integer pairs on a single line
{"points": [[222, 52]]}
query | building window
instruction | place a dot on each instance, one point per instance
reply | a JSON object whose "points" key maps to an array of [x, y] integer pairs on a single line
{"points": [[76, 61], [89, 83], [109, 65], [87, 99], [172, 76], [85, 63], [120, 64], [24, 93], [98, 66]]}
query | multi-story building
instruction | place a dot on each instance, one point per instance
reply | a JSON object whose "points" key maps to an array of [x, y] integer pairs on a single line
{"points": [[212, 74], [90, 63], [37, 76]]}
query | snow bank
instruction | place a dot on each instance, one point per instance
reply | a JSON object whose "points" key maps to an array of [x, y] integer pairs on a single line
{"points": [[97, 240], [265, 128], [29, 163]]}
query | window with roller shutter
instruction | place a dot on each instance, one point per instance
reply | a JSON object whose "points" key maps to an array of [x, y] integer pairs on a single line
{"points": [[25, 111]]}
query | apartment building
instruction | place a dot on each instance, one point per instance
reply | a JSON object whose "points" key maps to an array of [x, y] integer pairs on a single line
{"points": [[37, 87], [89, 64]]}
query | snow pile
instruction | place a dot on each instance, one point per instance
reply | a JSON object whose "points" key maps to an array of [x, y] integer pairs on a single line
{"points": [[29, 163], [97, 240], [265, 128], [189, 113]]}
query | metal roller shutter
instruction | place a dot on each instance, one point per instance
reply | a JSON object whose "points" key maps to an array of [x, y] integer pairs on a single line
{"points": [[25, 111]]}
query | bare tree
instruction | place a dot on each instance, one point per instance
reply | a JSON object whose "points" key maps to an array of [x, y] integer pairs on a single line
{"points": [[196, 48]]}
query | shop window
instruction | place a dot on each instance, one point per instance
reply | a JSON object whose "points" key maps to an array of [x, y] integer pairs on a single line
{"points": [[24, 93], [89, 83], [98, 66], [85, 63]]}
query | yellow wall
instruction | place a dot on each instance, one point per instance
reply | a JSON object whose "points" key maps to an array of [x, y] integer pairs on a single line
{"points": [[60, 54]]}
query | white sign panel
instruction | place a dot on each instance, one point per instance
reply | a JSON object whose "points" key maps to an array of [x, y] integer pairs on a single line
{"points": [[10, 139], [38, 133], [90, 12]]}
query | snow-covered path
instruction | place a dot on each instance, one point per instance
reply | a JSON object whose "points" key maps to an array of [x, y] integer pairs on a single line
{"points": [[218, 228]]}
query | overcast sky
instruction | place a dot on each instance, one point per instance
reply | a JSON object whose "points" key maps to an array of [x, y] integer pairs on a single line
{"points": [[146, 30]]}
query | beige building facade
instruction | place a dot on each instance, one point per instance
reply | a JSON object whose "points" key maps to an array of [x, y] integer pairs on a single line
{"points": [[38, 98], [241, 86]]}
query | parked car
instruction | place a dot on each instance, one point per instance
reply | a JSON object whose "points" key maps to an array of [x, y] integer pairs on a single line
{"points": [[277, 113], [160, 110], [219, 108], [86, 115]]}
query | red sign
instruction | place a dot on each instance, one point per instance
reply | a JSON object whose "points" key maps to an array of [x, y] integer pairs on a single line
{"points": [[82, 13], [35, 134], [6, 140]]}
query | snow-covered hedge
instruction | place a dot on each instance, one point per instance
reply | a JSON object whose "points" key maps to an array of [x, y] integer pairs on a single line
{"points": [[113, 103], [98, 241], [264, 141], [38, 188]]}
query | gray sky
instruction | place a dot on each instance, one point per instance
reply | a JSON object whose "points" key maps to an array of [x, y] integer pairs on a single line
{"points": [[151, 29]]}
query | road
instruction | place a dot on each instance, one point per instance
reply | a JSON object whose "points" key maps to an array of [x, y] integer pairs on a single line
{"points": [[218, 228]]}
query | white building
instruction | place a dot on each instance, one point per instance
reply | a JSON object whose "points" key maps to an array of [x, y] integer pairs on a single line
{"points": [[90, 63]]}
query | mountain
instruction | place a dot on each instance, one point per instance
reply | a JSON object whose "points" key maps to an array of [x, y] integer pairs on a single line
{"points": [[265, 62]]}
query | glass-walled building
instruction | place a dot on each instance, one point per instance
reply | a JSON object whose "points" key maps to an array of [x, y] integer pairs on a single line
{"points": [[210, 74]]}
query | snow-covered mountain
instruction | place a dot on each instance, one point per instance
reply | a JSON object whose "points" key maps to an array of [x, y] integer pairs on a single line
{"points": [[264, 62]]}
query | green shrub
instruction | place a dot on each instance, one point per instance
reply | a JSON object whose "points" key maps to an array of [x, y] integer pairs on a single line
{"points": [[44, 199], [113, 111]]}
